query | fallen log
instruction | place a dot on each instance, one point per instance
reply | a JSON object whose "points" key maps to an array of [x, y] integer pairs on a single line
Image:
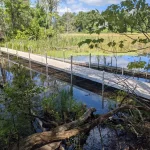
{"points": [[68, 130], [51, 146]]}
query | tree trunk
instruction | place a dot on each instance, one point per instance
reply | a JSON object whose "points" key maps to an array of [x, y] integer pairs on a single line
{"points": [[66, 131]]}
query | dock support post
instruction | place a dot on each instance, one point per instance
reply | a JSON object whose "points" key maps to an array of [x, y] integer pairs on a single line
{"points": [[146, 74], [16, 53], [41, 56], [98, 59], [111, 62], [71, 69], [7, 53], [104, 61], [20, 46], [122, 71], [64, 55], [46, 67], [8, 57], [133, 74], [30, 63], [90, 60], [103, 84], [12, 46]]}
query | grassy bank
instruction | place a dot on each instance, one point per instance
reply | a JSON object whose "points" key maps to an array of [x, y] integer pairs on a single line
{"points": [[65, 45]]}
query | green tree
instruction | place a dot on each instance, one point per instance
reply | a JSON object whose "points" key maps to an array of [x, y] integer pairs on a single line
{"points": [[87, 20], [128, 16], [17, 16], [67, 21]]}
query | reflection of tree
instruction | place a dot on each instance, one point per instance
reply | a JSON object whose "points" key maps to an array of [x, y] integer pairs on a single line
{"points": [[136, 65], [3, 72], [18, 102]]}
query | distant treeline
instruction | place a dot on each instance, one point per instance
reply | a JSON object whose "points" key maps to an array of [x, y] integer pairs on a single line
{"points": [[21, 21]]}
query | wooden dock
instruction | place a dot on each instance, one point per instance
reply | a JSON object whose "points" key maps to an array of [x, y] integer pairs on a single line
{"points": [[121, 82], [111, 69]]}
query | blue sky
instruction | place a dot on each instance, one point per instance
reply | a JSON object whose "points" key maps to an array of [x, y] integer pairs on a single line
{"points": [[85, 5]]}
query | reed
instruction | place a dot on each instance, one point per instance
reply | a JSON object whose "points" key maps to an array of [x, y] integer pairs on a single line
{"points": [[67, 44]]}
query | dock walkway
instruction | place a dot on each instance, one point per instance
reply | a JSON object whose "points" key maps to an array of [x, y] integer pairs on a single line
{"points": [[121, 82]]}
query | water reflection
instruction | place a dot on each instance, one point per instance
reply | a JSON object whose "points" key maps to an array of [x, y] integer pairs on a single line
{"points": [[119, 61], [54, 85]]}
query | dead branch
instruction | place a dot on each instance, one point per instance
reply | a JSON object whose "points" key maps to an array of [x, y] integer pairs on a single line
{"points": [[66, 131]]}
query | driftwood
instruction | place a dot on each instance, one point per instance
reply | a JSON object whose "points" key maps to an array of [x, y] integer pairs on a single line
{"points": [[42, 140]]}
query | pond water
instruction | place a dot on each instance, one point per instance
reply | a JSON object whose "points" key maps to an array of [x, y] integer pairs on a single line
{"points": [[119, 61], [88, 98]]}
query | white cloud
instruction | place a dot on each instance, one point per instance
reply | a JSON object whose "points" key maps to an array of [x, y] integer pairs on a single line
{"points": [[72, 6], [70, 1], [64, 9], [79, 5], [101, 2]]}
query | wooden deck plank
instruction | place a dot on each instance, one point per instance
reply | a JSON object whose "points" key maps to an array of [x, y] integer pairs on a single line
{"points": [[121, 82]]}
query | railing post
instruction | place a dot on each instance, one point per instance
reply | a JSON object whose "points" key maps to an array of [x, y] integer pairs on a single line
{"points": [[12, 46], [30, 63], [16, 53], [146, 74], [7, 53], [103, 84], [20, 46], [98, 59], [104, 61], [90, 60], [64, 55], [111, 61], [46, 65], [8, 56], [133, 73], [71, 70], [122, 71], [46, 68]]}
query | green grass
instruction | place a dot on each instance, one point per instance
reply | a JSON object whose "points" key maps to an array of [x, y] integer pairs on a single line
{"points": [[67, 44], [67, 54]]}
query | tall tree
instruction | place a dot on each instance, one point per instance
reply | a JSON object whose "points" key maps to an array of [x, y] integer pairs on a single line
{"points": [[67, 20], [17, 15]]}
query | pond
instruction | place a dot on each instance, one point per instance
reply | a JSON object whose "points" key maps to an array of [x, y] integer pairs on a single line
{"points": [[54, 85], [87, 97], [119, 61]]}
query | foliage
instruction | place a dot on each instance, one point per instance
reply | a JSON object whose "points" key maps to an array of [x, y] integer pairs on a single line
{"points": [[17, 105], [136, 65], [21, 21], [128, 16], [63, 107], [67, 21]]}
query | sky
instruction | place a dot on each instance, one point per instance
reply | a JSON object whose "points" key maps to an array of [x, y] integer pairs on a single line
{"points": [[85, 5]]}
